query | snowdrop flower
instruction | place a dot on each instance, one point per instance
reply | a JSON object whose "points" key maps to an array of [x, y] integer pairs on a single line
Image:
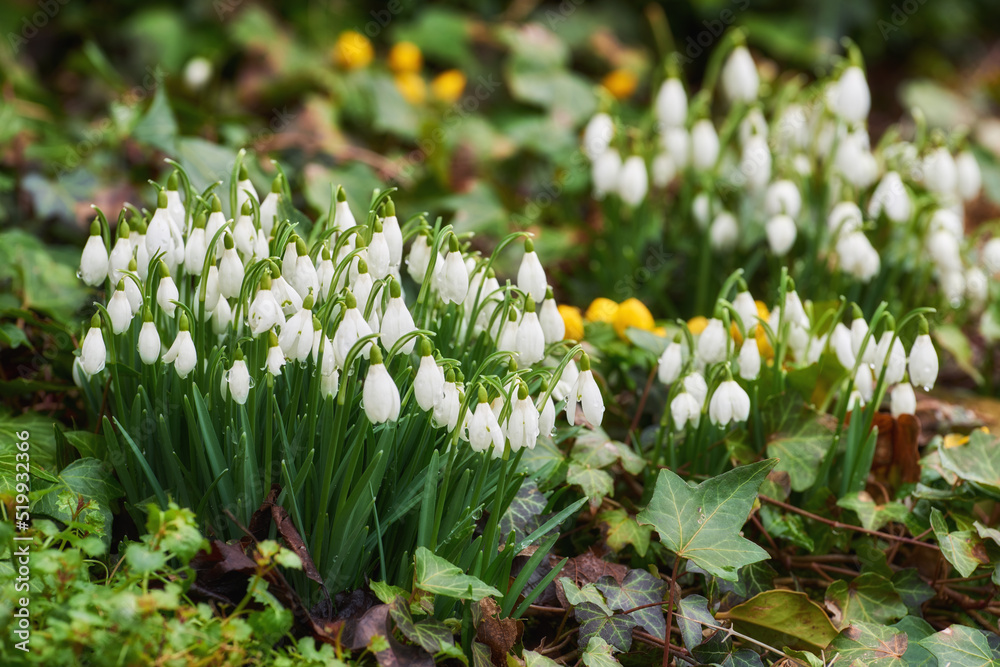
{"points": [[793, 129], [729, 403], [447, 407], [671, 104], [585, 392], [343, 219], [196, 248], [677, 143], [845, 218], [864, 383], [685, 410], [94, 260], [149, 340], [991, 256], [159, 233], [893, 359], [605, 172], [694, 384], [141, 256], [428, 385], [507, 336], [269, 207], [671, 363], [378, 252], [940, 172], [166, 291], [264, 313], [724, 232], [529, 343], [304, 279], [121, 254], [352, 328], [380, 394], [296, 335], [749, 359], [704, 145], [93, 352], [553, 326], [755, 163], [288, 298], [522, 426], [633, 181], [484, 429], [230, 270], [664, 170], [923, 359], [182, 354], [325, 273], [132, 290], [329, 383], [546, 415], [238, 379], [849, 97], [968, 177], [216, 221], [208, 288], [711, 346], [244, 232], [454, 280], [859, 329], [740, 80], [783, 197], [746, 308], [119, 310], [175, 207], [946, 220], [944, 251], [393, 234], [902, 400], [858, 256], [855, 161], [397, 320], [977, 286], [566, 381], [419, 258], [840, 341], [275, 360], [530, 274], [597, 135], [892, 198], [781, 232], [793, 308], [244, 189]]}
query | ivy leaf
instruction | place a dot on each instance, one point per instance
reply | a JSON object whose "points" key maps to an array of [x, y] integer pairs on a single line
{"points": [[976, 461], [783, 618], [962, 646], [873, 516], [437, 575], [599, 653], [717, 651], [522, 515], [595, 483], [752, 580], [387, 593], [870, 598], [913, 590], [430, 634], [589, 594], [692, 612], [639, 588], [962, 548], [614, 629], [799, 453], [533, 659], [916, 629], [622, 529], [702, 522], [871, 645]]}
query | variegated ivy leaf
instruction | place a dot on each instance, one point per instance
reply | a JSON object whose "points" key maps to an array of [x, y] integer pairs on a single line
{"points": [[962, 548], [522, 516], [870, 644], [870, 598], [692, 613], [962, 646], [577, 596], [622, 530], [639, 588], [599, 654], [595, 622], [430, 634], [439, 576]]}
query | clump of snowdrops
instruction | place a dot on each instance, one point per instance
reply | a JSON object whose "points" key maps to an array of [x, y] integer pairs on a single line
{"points": [[373, 367], [760, 174]]}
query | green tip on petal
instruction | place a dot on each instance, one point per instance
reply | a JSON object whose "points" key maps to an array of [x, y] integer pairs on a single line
{"points": [[326, 254], [95, 321], [512, 366], [243, 173], [490, 273], [585, 362], [121, 285], [459, 375], [350, 301], [300, 248], [529, 245], [308, 302], [246, 209], [147, 314], [341, 195], [425, 347], [183, 324], [359, 241], [450, 376], [512, 315], [922, 328], [272, 338], [173, 180], [856, 312], [483, 396], [377, 226], [161, 199], [522, 391], [275, 271], [124, 230], [228, 240], [376, 355], [453, 243], [265, 281], [549, 294], [199, 221], [390, 207], [395, 289], [238, 355], [890, 322], [529, 305], [164, 271], [317, 325], [95, 227], [132, 265], [276, 185], [362, 266], [216, 204], [790, 285]]}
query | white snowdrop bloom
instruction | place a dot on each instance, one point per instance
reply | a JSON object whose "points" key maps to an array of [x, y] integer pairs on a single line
{"points": [[296, 337], [724, 232], [325, 273], [244, 232], [755, 163], [711, 346], [166, 292], [704, 145], [244, 189], [329, 383], [288, 298], [977, 286], [664, 170], [798, 339], [746, 308], [892, 359], [855, 161], [944, 250], [446, 409], [605, 172], [264, 313], [749, 359], [783, 197], [94, 260], [671, 363], [453, 284], [566, 381], [159, 232], [222, 317], [753, 125], [216, 221], [275, 360], [553, 326], [902, 400], [946, 220], [506, 337], [269, 208], [522, 426], [817, 344], [677, 142], [397, 321], [701, 210], [352, 328], [991, 256], [864, 383], [587, 394], [547, 416], [802, 165], [93, 352], [380, 395], [531, 275], [121, 254], [393, 235], [484, 429], [428, 385], [378, 253], [119, 310], [844, 218], [740, 80], [182, 354], [196, 248], [231, 271], [362, 286], [792, 130], [940, 172], [781, 232], [343, 219], [530, 341], [419, 258], [633, 181], [197, 73], [859, 329], [729, 403], [238, 379], [952, 283], [891, 197], [671, 104], [597, 135], [968, 177], [840, 341], [210, 283], [304, 279], [793, 309], [858, 256], [694, 384], [685, 410], [148, 345], [850, 97]]}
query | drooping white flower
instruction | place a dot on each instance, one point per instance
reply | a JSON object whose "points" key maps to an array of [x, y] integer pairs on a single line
{"points": [[306, 280], [264, 313], [858, 256], [166, 291], [121, 254], [729, 403], [840, 341], [148, 345], [977, 286], [269, 207], [244, 189], [352, 328], [685, 410], [781, 232], [522, 426], [119, 310], [749, 359], [397, 320], [210, 284], [746, 308], [711, 346], [864, 383], [940, 173], [529, 343], [854, 160], [428, 385], [694, 384], [530, 274], [923, 360], [968, 177], [664, 170], [380, 395], [94, 260], [507, 336], [196, 248], [671, 363], [244, 232], [946, 220], [553, 326], [448, 406], [677, 143], [605, 172], [231, 271], [597, 135], [175, 207], [393, 235], [238, 379], [844, 218], [793, 310], [585, 392], [419, 258], [704, 145], [859, 329], [991, 256], [724, 232], [891, 197], [944, 251], [671, 104], [753, 125], [566, 381], [902, 400], [740, 80], [484, 429], [783, 197], [343, 219], [378, 253], [93, 352], [216, 221], [850, 97], [893, 358], [546, 416], [296, 337], [755, 163], [159, 232], [633, 181], [453, 284], [288, 298], [182, 354], [275, 360], [701, 210]]}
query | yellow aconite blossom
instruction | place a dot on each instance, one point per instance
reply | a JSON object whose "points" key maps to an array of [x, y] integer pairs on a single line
{"points": [[353, 50], [621, 83], [405, 57], [448, 86], [957, 439], [412, 87], [632, 313], [573, 322], [697, 324], [601, 310]]}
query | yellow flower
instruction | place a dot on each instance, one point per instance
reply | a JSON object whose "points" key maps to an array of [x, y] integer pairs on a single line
{"points": [[601, 310], [697, 324], [405, 57], [632, 313], [448, 86], [573, 322], [352, 50], [621, 83], [412, 87]]}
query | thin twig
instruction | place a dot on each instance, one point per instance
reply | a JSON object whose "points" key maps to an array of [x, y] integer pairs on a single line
{"points": [[670, 613], [652, 640], [639, 408]]}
